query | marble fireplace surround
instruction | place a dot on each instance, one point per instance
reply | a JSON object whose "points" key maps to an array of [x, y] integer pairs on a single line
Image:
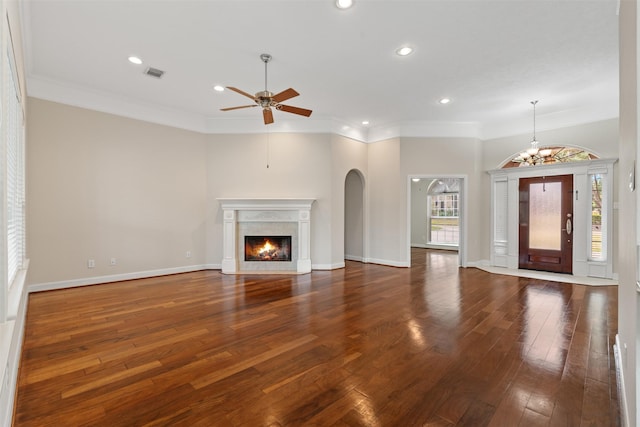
{"points": [[266, 217]]}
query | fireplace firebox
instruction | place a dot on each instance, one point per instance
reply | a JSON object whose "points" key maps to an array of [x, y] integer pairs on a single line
{"points": [[267, 248]]}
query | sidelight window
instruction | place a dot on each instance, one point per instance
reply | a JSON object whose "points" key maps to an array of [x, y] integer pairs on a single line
{"points": [[598, 217]]}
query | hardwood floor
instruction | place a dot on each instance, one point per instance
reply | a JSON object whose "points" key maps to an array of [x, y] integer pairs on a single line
{"points": [[367, 345]]}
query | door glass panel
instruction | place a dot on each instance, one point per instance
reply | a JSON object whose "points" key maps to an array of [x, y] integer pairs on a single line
{"points": [[545, 217]]}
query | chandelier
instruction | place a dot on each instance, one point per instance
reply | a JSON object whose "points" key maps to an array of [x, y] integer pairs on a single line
{"points": [[533, 155]]}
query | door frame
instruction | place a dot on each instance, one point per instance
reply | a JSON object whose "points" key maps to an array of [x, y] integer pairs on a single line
{"points": [[503, 237], [462, 218]]}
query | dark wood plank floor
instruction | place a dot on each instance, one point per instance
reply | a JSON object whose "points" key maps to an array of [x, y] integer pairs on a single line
{"points": [[367, 345]]}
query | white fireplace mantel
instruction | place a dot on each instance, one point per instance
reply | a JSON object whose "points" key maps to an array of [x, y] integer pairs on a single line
{"points": [[266, 211]]}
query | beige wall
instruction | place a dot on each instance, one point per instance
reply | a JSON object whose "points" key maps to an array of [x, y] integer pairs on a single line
{"points": [[387, 234], [628, 261], [299, 166], [101, 186], [445, 157], [347, 155], [601, 138]]}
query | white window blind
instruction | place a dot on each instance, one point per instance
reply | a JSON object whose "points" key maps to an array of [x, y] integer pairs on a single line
{"points": [[14, 140]]}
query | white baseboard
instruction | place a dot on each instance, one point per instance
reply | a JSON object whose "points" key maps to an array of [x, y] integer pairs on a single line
{"points": [[433, 246], [334, 266], [622, 397], [50, 286], [479, 264], [354, 258], [387, 262]]}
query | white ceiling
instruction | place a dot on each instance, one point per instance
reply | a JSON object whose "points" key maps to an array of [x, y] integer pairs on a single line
{"points": [[490, 57]]}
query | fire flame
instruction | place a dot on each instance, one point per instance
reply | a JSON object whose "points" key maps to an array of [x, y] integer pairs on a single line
{"points": [[266, 248]]}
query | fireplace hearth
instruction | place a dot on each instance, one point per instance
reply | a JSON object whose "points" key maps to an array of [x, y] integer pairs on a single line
{"points": [[267, 248]]}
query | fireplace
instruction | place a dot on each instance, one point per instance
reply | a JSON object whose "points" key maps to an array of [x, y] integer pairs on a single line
{"points": [[283, 222], [267, 248]]}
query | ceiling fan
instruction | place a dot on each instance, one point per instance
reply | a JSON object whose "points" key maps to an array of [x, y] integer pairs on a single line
{"points": [[266, 99]]}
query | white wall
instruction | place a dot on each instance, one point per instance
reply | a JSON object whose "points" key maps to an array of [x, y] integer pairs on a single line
{"points": [[101, 186]]}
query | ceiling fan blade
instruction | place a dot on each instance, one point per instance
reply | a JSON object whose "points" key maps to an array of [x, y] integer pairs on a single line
{"points": [[268, 115], [241, 92], [294, 110], [284, 95], [235, 108]]}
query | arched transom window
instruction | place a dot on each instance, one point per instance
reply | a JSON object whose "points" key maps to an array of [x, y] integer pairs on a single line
{"points": [[549, 155]]}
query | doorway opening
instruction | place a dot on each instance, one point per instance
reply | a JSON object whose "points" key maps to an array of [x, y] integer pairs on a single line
{"points": [[437, 213], [354, 217]]}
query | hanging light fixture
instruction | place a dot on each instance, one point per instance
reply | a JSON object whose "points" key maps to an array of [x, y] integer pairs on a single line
{"points": [[534, 155]]}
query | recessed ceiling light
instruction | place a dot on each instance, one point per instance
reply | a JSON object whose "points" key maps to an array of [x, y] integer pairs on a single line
{"points": [[404, 51], [415, 179], [218, 88], [344, 4], [135, 60], [445, 101], [365, 122]]}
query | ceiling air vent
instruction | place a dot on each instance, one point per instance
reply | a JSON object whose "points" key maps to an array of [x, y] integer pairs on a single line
{"points": [[154, 72]]}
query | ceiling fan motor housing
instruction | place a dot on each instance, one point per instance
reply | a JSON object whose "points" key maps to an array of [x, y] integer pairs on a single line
{"points": [[264, 98]]}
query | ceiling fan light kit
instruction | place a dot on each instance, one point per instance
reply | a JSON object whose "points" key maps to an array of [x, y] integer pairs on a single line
{"points": [[267, 100]]}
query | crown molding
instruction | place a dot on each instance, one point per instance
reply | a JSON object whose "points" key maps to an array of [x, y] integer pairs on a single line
{"points": [[42, 88]]}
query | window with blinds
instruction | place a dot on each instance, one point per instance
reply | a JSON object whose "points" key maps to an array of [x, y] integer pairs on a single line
{"points": [[15, 153]]}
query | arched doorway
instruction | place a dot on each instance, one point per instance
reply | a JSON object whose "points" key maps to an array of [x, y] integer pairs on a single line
{"points": [[354, 218]]}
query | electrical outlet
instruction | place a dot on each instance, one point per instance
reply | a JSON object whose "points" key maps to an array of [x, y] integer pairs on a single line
{"points": [[113, 261], [91, 263], [188, 254]]}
